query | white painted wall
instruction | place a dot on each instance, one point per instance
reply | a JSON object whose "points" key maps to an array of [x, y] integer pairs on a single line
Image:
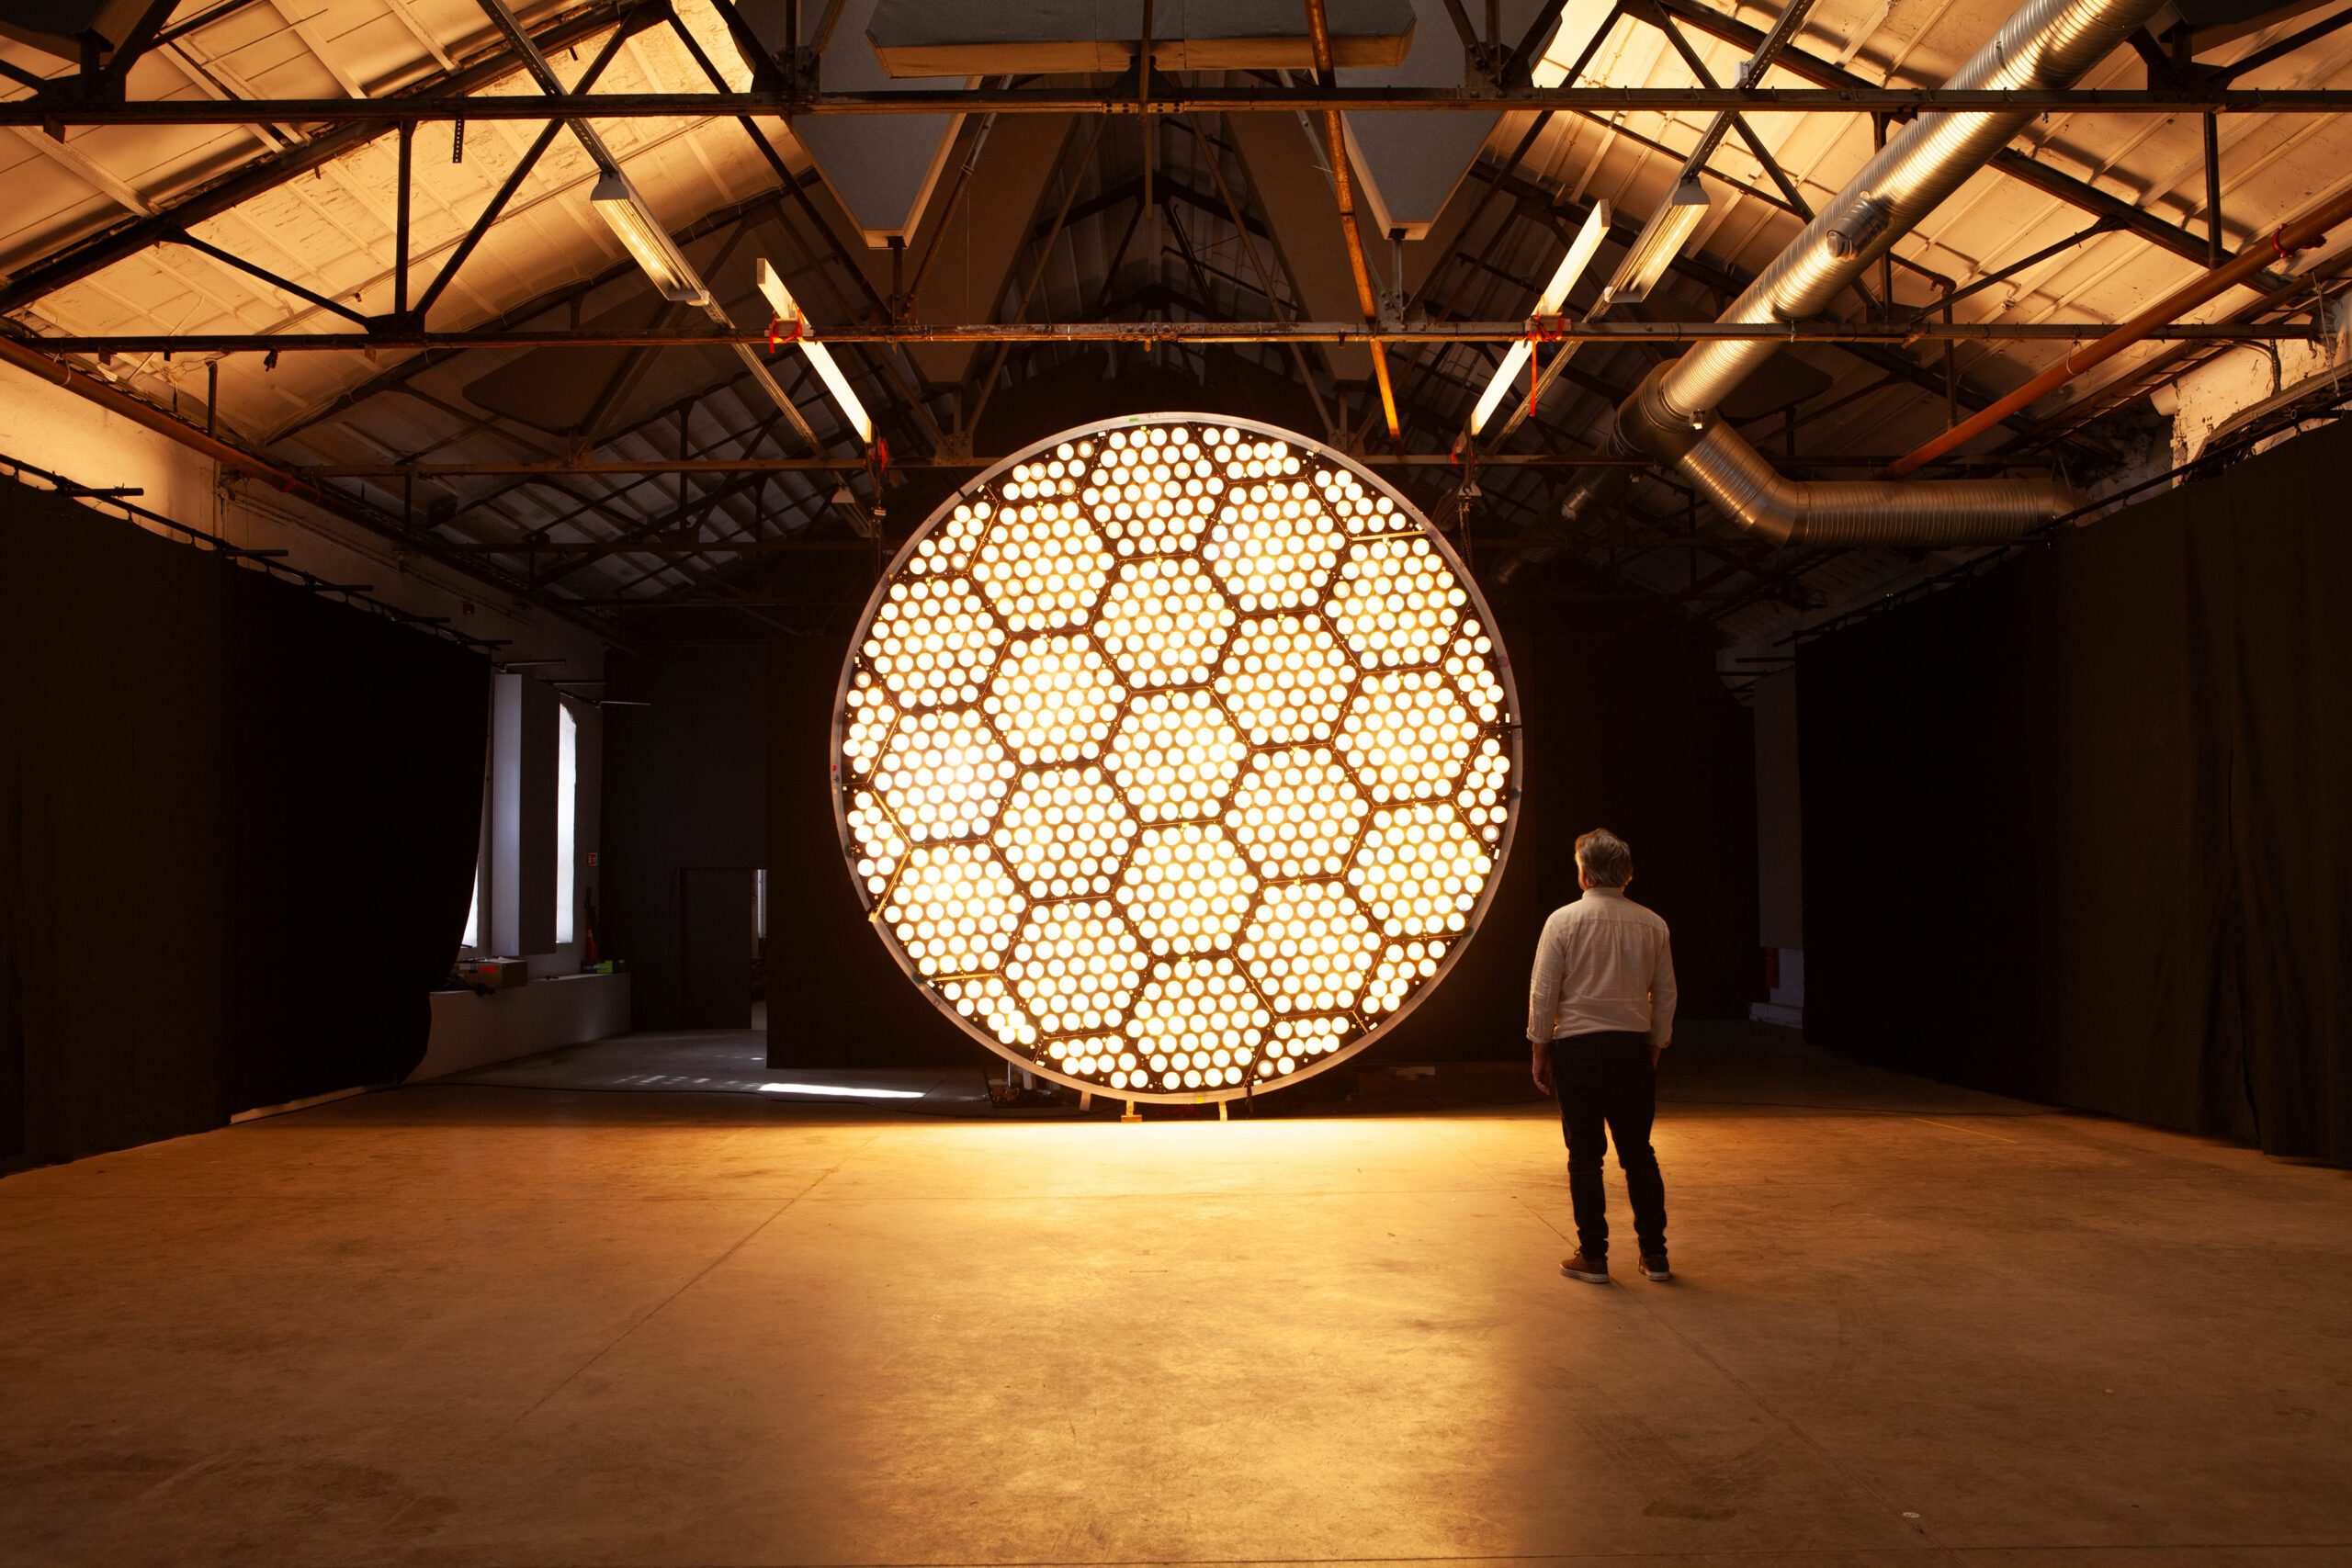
{"points": [[2207, 397], [50, 428]]}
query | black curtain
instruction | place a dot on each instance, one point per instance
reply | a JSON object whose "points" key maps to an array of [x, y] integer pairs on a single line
{"points": [[237, 829], [2081, 830], [1633, 732]]}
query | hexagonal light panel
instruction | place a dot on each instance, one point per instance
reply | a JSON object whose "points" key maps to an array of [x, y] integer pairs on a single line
{"points": [[1175, 758]]}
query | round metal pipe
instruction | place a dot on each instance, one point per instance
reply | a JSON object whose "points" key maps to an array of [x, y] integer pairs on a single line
{"points": [[1720, 464], [2046, 44]]}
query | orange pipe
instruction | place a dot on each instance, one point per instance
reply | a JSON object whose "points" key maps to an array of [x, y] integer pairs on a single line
{"points": [[1335, 137], [2300, 235]]}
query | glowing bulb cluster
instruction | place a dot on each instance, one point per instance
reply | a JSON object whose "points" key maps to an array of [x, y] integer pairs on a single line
{"points": [[1286, 678], [934, 647], [1175, 757], [1297, 812], [1390, 715]]}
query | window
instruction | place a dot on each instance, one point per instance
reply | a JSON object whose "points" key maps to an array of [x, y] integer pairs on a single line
{"points": [[473, 912], [567, 818]]}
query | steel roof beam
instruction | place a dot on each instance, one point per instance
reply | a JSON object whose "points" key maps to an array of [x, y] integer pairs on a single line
{"points": [[1147, 332], [2009, 161], [376, 117], [383, 113], [806, 465]]}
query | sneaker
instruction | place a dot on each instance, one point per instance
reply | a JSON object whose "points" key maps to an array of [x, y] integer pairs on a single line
{"points": [[1591, 1271], [1654, 1267]]}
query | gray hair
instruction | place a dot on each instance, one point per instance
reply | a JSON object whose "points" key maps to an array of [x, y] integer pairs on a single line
{"points": [[1604, 857]]}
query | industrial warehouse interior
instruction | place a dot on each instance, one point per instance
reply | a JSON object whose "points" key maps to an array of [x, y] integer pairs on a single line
{"points": [[793, 783]]}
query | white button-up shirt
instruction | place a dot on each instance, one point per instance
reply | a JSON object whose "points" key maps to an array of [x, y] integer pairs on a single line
{"points": [[1603, 961]]}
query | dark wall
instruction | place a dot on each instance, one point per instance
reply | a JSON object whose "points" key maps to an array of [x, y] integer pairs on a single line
{"points": [[1637, 734], [1634, 733], [237, 835], [685, 789], [2081, 830], [835, 995]]}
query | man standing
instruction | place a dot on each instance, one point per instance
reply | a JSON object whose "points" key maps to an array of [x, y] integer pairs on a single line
{"points": [[1599, 1011]]}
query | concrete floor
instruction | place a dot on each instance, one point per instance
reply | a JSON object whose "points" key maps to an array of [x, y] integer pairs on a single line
{"points": [[477, 1325]]}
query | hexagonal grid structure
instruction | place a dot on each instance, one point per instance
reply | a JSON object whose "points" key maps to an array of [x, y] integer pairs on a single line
{"points": [[1055, 699], [1176, 755], [1390, 709], [1273, 545], [1041, 566], [1285, 678], [1066, 831], [1164, 623], [1418, 868], [943, 776], [1154, 494], [1397, 600], [1297, 812], [1076, 967], [933, 648], [1187, 889], [1308, 947], [1198, 1024], [953, 906], [1175, 758]]}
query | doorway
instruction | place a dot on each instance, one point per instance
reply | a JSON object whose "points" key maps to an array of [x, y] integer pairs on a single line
{"points": [[720, 917]]}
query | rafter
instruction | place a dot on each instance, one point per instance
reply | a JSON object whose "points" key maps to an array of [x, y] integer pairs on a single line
{"points": [[31, 284]]}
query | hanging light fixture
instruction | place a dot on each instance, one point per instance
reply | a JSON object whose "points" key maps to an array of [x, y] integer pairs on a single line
{"points": [[1661, 240], [616, 201], [1555, 297], [820, 358]]}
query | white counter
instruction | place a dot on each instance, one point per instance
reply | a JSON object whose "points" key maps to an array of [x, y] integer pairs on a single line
{"points": [[470, 1030]]}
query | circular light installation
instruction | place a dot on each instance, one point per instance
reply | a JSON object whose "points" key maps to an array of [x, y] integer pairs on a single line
{"points": [[1176, 758]]}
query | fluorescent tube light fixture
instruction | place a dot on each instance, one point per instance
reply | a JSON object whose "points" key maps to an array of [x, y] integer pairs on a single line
{"points": [[616, 201], [1662, 239], [1556, 296], [787, 310]]}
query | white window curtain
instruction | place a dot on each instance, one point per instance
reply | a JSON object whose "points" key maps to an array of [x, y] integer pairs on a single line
{"points": [[567, 820]]}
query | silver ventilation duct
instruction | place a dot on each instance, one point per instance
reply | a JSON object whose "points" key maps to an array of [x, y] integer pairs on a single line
{"points": [[1670, 417], [1720, 464]]}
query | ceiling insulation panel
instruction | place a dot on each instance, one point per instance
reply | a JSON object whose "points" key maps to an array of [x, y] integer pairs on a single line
{"points": [[1410, 164], [1295, 192], [939, 38], [882, 167], [55, 27]]}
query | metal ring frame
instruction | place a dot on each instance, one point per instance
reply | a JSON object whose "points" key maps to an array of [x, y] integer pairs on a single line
{"points": [[1504, 728]]}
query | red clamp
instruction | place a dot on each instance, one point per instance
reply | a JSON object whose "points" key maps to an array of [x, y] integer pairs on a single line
{"points": [[877, 462], [780, 333], [1540, 330]]}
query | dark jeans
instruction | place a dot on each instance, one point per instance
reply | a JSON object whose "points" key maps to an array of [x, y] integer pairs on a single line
{"points": [[1608, 1078]]}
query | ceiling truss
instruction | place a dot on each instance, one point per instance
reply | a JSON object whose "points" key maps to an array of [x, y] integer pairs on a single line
{"points": [[718, 518]]}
